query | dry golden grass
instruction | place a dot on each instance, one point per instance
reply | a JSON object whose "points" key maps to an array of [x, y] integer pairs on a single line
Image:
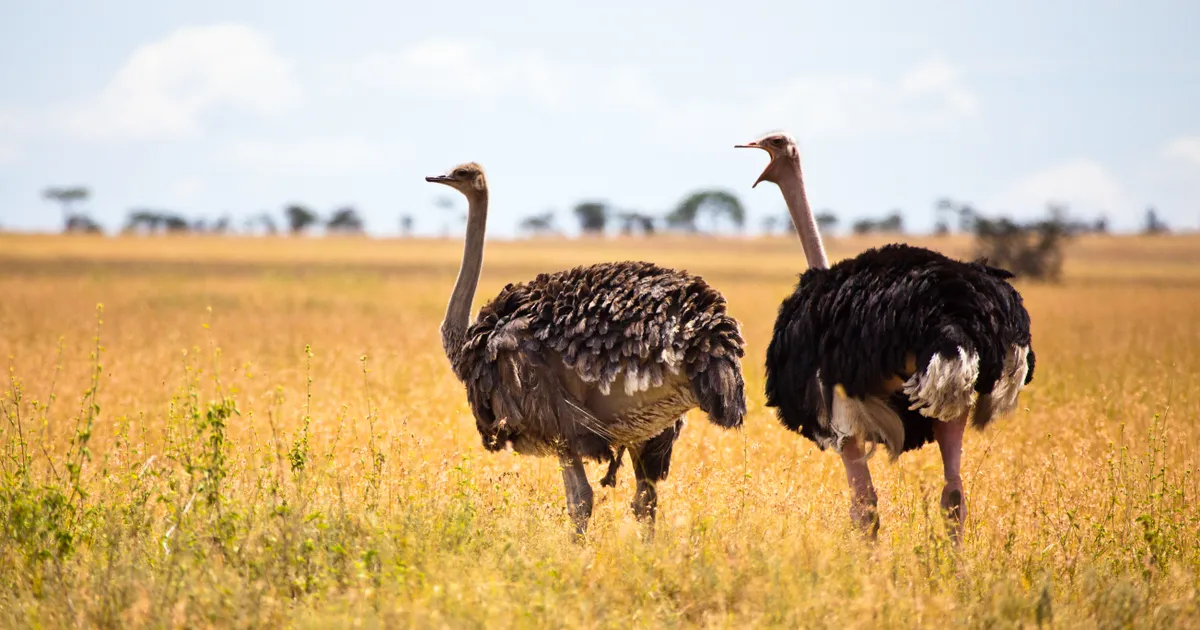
{"points": [[349, 487]]}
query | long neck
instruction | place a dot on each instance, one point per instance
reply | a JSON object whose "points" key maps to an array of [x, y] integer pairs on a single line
{"points": [[791, 184], [458, 311]]}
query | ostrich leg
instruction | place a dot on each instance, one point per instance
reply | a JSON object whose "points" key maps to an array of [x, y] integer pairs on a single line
{"points": [[863, 501], [579, 493], [949, 437], [651, 463]]}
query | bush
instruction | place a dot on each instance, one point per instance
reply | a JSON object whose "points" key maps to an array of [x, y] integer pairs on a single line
{"points": [[1032, 250]]}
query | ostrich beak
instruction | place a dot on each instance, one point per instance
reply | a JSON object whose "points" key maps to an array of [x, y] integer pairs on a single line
{"points": [[762, 177], [753, 144], [439, 179]]}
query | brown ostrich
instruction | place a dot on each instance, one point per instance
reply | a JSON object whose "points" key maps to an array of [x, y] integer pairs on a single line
{"points": [[578, 363]]}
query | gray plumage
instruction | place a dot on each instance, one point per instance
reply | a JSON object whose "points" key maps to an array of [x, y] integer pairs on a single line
{"points": [[589, 362], [597, 356]]}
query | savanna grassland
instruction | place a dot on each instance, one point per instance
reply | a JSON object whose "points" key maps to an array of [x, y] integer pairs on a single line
{"points": [[265, 433]]}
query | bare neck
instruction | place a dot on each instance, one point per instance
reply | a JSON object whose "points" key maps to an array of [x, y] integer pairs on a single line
{"points": [[458, 311], [791, 184]]}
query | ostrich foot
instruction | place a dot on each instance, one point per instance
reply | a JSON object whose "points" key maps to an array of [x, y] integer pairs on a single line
{"points": [[579, 495], [864, 512], [954, 508], [949, 437], [645, 506]]}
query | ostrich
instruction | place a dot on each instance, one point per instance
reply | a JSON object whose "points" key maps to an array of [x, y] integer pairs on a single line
{"points": [[899, 346], [577, 363]]}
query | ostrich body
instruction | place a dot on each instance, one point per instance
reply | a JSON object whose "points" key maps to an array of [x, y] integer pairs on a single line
{"points": [[580, 363], [899, 346]]}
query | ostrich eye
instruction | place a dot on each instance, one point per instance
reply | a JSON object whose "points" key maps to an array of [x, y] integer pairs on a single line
{"points": [[460, 174], [777, 141]]}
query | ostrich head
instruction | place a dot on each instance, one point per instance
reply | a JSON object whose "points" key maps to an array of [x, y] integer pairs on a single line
{"points": [[466, 178], [783, 152]]}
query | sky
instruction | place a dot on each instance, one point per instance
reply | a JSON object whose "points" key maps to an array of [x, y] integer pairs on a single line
{"points": [[242, 107]]}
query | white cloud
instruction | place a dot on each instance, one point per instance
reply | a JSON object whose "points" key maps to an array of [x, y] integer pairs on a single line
{"points": [[166, 87], [1172, 180], [928, 96], [1082, 184], [467, 69], [1167, 179], [1185, 151], [321, 155]]}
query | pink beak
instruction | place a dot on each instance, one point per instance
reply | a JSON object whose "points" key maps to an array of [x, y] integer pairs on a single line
{"points": [[756, 145]]}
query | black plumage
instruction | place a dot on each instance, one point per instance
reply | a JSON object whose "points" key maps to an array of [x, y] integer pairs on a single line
{"points": [[859, 322], [898, 346]]}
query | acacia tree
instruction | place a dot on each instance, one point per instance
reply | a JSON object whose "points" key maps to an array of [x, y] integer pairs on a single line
{"points": [[538, 224], [711, 203], [299, 218], [864, 226], [175, 223], [66, 196], [139, 220], [633, 221], [223, 225], [345, 221], [947, 209], [268, 223], [826, 221], [82, 223], [893, 222], [1153, 224], [592, 215]]}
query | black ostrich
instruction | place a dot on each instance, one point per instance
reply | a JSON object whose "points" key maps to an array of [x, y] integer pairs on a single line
{"points": [[898, 346]]}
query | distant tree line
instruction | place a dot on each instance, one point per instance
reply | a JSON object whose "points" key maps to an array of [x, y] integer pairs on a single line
{"points": [[709, 211], [967, 216], [297, 218], [703, 211]]}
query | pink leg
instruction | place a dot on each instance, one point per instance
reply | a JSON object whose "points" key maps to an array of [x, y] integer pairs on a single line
{"points": [[863, 501], [949, 437]]}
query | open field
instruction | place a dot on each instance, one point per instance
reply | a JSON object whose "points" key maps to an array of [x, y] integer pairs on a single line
{"points": [[265, 433]]}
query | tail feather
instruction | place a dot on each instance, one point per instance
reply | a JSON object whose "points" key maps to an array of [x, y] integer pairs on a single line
{"points": [[984, 411], [1012, 379], [721, 392], [945, 390]]}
